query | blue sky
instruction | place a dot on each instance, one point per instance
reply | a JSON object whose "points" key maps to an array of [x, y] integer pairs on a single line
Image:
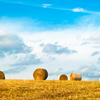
{"points": [[62, 36]]}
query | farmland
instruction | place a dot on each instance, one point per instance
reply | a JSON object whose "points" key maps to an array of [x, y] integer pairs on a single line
{"points": [[49, 90]]}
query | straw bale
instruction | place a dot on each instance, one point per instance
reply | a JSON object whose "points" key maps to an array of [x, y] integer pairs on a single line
{"points": [[75, 76], [63, 77], [2, 76], [40, 74]]}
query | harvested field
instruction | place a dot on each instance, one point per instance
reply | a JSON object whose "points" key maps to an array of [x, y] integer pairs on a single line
{"points": [[49, 90]]}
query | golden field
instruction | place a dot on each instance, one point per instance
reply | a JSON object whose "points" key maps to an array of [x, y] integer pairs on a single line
{"points": [[49, 90]]}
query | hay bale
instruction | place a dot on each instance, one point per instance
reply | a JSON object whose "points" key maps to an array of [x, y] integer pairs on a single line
{"points": [[75, 76], [40, 74], [63, 77], [2, 76]]}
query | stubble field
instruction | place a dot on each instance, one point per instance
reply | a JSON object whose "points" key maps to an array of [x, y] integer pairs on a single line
{"points": [[49, 90]]}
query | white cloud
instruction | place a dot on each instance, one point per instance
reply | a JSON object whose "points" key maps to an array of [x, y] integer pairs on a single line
{"points": [[95, 53], [90, 71], [98, 60], [95, 37], [78, 10], [12, 44], [46, 5], [29, 59], [71, 37], [57, 49], [56, 71], [84, 11], [49, 5], [84, 70]]}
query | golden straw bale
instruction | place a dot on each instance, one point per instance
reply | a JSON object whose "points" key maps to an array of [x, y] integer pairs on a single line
{"points": [[63, 77], [75, 76], [2, 76], [40, 74]]}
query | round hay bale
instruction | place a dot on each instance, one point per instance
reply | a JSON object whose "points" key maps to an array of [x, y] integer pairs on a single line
{"points": [[63, 77], [2, 76], [40, 74], [75, 76]]}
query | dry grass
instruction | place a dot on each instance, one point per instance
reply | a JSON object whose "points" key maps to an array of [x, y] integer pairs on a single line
{"points": [[49, 90]]}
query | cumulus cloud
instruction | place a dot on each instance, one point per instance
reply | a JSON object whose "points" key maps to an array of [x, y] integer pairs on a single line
{"points": [[59, 71], [51, 58], [56, 71], [89, 71], [12, 44], [29, 59], [84, 43], [78, 10], [2, 55], [95, 41], [98, 60], [14, 70], [95, 38], [56, 49], [97, 46], [22, 63], [46, 5], [95, 53], [84, 11]]}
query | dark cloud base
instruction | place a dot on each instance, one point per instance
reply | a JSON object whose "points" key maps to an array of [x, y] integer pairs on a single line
{"points": [[12, 44], [89, 72], [14, 70], [29, 59], [56, 49]]}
